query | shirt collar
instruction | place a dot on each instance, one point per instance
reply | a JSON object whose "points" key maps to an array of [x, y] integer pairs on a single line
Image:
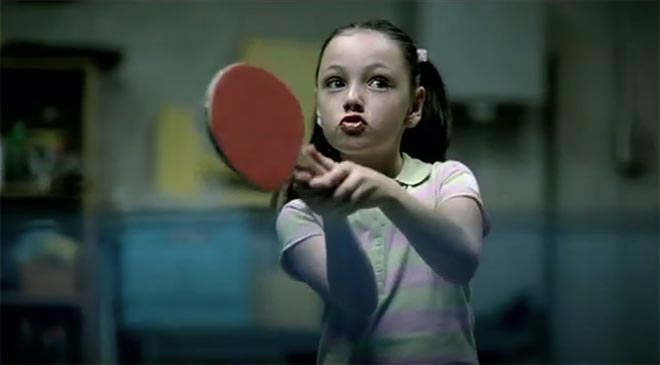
{"points": [[414, 171]]}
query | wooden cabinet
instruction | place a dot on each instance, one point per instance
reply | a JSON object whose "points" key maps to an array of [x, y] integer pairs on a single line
{"points": [[48, 209]]}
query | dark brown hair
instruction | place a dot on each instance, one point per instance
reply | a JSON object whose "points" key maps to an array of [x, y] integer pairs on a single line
{"points": [[429, 140]]}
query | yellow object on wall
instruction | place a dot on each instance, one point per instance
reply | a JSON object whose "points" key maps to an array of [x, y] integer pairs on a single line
{"points": [[187, 170], [291, 61], [178, 152]]}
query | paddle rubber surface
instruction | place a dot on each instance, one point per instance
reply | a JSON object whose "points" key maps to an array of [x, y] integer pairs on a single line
{"points": [[257, 125]]}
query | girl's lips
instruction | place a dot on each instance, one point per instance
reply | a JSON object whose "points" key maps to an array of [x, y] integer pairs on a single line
{"points": [[353, 119], [352, 127]]}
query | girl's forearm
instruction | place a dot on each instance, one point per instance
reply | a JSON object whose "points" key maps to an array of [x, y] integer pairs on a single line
{"points": [[351, 280], [441, 243]]}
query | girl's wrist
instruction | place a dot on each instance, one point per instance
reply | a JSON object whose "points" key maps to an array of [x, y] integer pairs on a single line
{"points": [[394, 199], [334, 218]]}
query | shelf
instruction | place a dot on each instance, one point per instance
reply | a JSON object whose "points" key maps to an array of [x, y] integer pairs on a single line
{"points": [[26, 189], [57, 197], [23, 300], [41, 197], [105, 58], [11, 202]]}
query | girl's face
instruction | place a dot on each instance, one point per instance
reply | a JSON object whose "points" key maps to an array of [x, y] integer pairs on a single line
{"points": [[364, 94]]}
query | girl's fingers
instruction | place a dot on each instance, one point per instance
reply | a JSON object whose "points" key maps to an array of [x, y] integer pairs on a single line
{"points": [[360, 194], [308, 163], [326, 162], [302, 175], [346, 188], [306, 160], [329, 180]]}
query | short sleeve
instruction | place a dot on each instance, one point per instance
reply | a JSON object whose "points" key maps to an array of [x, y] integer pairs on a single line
{"points": [[454, 179], [295, 223]]}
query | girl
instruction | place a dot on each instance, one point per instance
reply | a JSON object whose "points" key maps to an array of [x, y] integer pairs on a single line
{"points": [[375, 220]]}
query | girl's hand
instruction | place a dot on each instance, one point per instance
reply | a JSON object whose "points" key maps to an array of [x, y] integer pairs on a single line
{"points": [[350, 186], [318, 199]]}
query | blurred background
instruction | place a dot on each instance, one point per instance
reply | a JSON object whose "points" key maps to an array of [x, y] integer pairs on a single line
{"points": [[126, 240]]}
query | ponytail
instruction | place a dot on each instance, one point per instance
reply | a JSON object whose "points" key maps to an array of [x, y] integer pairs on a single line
{"points": [[429, 140]]}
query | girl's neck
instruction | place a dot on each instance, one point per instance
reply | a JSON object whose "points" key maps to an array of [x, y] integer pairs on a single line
{"points": [[389, 165]]}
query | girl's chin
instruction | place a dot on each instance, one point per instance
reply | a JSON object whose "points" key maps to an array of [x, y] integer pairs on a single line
{"points": [[356, 149]]}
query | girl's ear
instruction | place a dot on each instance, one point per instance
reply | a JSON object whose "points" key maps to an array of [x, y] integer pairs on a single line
{"points": [[415, 114]]}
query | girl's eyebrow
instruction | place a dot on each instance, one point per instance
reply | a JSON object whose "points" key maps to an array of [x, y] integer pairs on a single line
{"points": [[334, 67], [370, 67], [377, 65]]}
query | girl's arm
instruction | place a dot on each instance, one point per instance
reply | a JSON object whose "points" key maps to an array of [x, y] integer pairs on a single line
{"points": [[448, 237], [337, 268]]}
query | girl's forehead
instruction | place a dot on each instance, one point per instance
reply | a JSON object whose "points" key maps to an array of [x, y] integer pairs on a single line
{"points": [[358, 47]]}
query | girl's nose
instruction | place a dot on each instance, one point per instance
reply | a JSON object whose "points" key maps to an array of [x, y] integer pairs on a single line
{"points": [[354, 101]]}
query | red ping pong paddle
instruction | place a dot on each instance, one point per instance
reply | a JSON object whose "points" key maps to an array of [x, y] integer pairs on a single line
{"points": [[256, 124]]}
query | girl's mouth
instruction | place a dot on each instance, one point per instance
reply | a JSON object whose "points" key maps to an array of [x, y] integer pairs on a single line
{"points": [[353, 125]]}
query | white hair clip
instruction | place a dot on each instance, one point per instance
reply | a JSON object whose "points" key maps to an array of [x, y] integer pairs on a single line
{"points": [[422, 55]]}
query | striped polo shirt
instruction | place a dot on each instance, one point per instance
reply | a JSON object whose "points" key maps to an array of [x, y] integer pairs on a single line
{"points": [[421, 318]]}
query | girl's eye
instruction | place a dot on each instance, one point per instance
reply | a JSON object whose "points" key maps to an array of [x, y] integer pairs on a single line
{"points": [[334, 83], [379, 83]]}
